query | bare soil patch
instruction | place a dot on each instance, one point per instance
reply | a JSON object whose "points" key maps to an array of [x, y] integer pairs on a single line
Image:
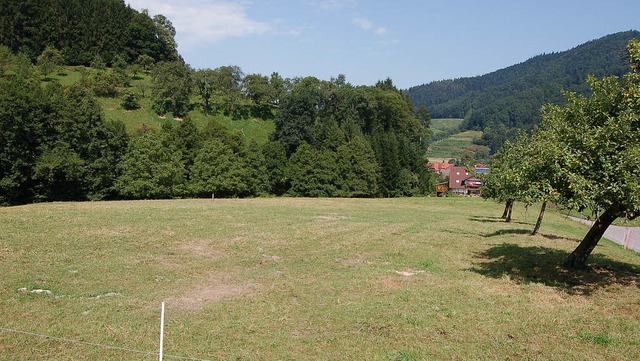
{"points": [[203, 248], [213, 289]]}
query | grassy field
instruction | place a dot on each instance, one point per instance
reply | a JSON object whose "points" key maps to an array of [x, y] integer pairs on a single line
{"points": [[442, 125], [309, 279], [453, 146]]}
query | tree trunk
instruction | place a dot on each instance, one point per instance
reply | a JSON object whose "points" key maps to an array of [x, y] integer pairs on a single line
{"points": [[507, 205], [540, 216], [509, 212], [578, 258]]}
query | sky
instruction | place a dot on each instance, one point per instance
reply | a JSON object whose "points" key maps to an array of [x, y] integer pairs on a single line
{"points": [[412, 42]]}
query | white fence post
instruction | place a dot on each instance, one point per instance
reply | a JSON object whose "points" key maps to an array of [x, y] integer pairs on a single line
{"points": [[161, 330]]}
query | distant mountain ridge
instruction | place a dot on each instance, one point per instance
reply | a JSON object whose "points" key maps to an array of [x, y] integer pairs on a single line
{"points": [[509, 99]]}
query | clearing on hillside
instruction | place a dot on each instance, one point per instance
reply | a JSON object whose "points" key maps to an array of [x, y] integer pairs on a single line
{"points": [[453, 146]]}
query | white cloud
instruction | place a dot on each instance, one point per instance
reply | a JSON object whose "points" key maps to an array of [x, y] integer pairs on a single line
{"points": [[366, 24], [363, 23], [198, 21], [331, 4]]}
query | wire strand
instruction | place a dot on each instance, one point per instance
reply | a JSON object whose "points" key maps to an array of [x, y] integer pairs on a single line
{"points": [[99, 345]]}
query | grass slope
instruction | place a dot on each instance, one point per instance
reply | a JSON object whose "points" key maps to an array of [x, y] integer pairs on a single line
{"points": [[253, 129], [313, 279], [453, 146], [444, 125]]}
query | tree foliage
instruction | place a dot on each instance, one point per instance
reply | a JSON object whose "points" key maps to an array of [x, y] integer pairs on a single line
{"points": [[583, 156], [171, 88], [82, 29], [597, 138], [55, 143]]}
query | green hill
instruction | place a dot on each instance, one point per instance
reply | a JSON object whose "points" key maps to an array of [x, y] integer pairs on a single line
{"points": [[445, 126], [457, 146], [509, 99], [252, 128]]}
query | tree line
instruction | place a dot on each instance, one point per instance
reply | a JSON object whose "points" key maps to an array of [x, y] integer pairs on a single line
{"points": [[584, 156], [85, 31], [331, 139]]}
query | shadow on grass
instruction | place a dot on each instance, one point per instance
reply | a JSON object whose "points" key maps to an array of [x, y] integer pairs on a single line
{"points": [[493, 220], [502, 232], [544, 265]]}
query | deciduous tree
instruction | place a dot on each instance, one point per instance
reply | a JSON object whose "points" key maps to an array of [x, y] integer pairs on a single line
{"points": [[598, 137]]}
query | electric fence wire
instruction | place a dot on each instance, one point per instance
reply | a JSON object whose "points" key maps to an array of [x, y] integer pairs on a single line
{"points": [[61, 339]]}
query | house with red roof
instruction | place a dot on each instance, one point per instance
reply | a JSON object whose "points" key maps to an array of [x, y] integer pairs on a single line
{"points": [[464, 182], [442, 169]]}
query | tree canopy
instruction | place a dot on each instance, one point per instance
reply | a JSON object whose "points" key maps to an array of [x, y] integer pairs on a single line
{"points": [[85, 29], [583, 156]]}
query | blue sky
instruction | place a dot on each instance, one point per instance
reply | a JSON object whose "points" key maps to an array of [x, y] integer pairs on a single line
{"points": [[412, 42]]}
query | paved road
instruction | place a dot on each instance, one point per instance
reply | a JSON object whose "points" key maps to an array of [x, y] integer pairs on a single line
{"points": [[619, 234]]}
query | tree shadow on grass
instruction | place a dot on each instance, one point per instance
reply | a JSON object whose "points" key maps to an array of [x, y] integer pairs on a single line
{"points": [[543, 265], [493, 220], [502, 232]]}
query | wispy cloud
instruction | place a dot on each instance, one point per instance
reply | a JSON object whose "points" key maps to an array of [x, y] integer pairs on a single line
{"points": [[366, 24], [331, 4], [198, 21]]}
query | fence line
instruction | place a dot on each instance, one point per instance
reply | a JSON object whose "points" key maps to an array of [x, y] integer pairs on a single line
{"points": [[99, 345]]}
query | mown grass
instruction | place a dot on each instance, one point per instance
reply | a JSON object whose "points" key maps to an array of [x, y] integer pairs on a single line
{"points": [[315, 279], [453, 146]]}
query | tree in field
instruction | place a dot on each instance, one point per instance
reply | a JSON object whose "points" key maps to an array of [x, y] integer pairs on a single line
{"points": [[261, 92], [503, 182], [146, 62], [23, 125], [60, 174], [166, 35], [524, 171], [171, 88], [204, 80], [228, 81], [257, 175], [49, 61], [598, 143], [539, 173]]}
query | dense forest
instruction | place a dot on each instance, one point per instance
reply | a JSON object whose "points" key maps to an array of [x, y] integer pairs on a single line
{"points": [[85, 31], [330, 139], [508, 100]]}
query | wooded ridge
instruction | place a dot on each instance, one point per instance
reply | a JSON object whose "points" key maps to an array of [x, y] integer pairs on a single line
{"points": [[507, 100]]}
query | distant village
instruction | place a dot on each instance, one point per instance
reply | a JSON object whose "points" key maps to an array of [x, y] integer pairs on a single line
{"points": [[463, 180]]}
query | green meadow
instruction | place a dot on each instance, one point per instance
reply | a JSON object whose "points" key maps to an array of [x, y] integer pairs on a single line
{"points": [[453, 146], [309, 279], [251, 128], [444, 125]]}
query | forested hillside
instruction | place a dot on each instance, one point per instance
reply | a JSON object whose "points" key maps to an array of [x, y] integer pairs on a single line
{"points": [[85, 31], [329, 139], [502, 102]]}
